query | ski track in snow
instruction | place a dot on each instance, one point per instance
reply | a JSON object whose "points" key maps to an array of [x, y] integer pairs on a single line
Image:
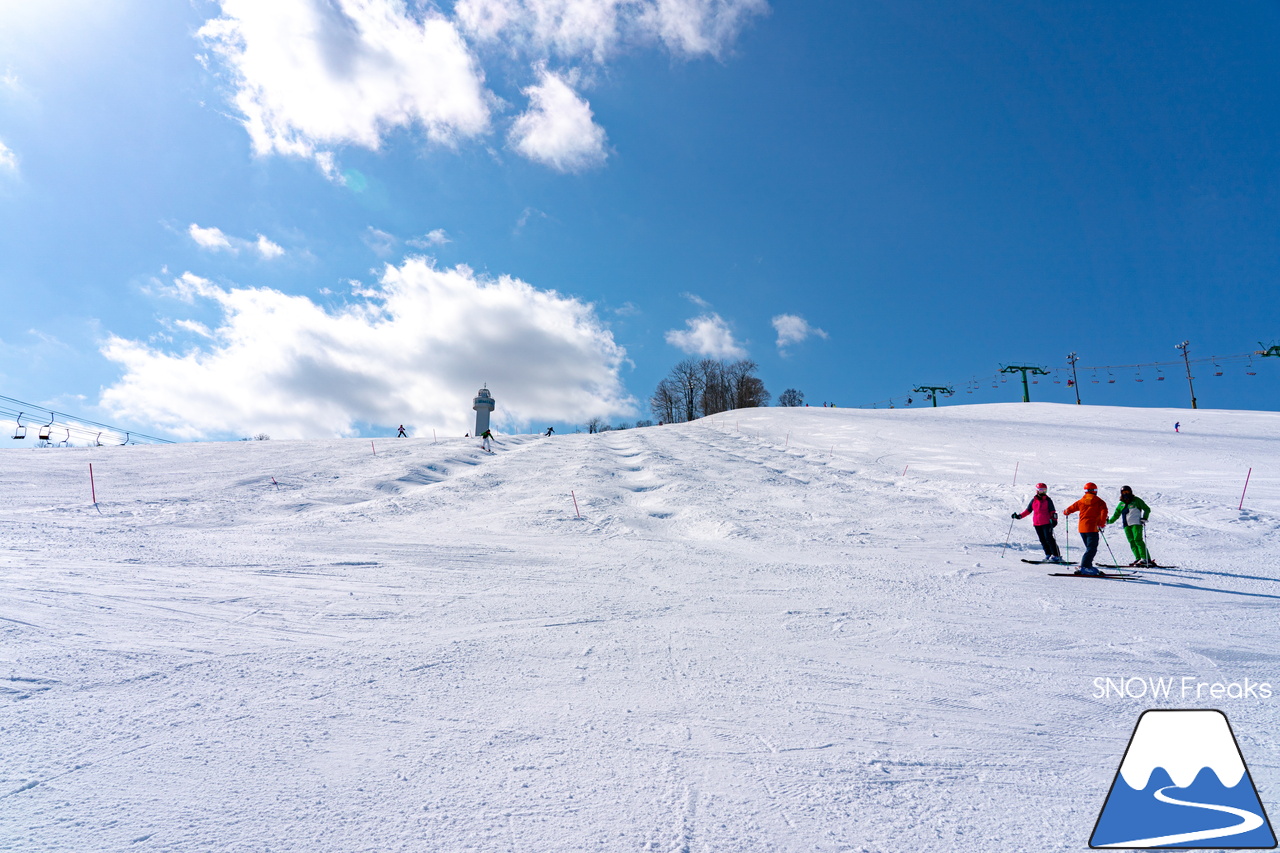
{"points": [[760, 636]]}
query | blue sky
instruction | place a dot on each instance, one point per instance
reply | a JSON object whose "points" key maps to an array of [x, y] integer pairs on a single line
{"points": [[332, 216]]}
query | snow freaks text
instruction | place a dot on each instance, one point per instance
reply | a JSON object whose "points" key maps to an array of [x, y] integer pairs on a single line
{"points": [[1183, 688]]}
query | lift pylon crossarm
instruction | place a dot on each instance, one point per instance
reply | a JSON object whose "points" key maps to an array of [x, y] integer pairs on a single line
{"points": [[1024, 369], [933, 391], [1268, 351]]}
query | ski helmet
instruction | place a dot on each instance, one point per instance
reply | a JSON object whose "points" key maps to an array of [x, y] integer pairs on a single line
{"points": [[1041, 487], [1091, 487], [1125, 489]]}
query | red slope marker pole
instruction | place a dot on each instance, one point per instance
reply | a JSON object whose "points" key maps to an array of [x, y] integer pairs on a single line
{"points": [[1246, 488], [575, 504], [93, 491], [1015, 472], [375, 450]]}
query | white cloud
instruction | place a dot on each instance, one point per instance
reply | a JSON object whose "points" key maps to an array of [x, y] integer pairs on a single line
{"points": [[700, 26], [558, 129], [195, 327], [435, 237], [527, 214], [215, 240], [8, 160], [311, 75], [792, 329], [188, 286], [210, 238], [597, 28], [380, 241], [414, 352], [707, 335], [268, 250], [697, 300]]}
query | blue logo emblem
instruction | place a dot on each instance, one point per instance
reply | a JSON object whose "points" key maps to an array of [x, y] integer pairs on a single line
{"points": [[1183, 783]]}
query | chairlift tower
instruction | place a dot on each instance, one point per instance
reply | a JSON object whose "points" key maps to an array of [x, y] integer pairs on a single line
{"points": [[1072, 358], [484, 405], [1024, 369], [934, 390], [1186, 361], [1273, 350]]}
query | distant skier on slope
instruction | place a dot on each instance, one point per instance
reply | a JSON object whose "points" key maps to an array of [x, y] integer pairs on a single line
{"points": [[1093, 517], [1044, 517], [402, 433], [485, 438], [550, 430], [1133, 513]]}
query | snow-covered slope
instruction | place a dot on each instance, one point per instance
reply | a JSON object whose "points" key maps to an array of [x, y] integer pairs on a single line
{"points": [[769, 630]]}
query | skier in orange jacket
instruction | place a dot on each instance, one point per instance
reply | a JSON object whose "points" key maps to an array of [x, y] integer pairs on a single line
{"points": [[1093, 517]]}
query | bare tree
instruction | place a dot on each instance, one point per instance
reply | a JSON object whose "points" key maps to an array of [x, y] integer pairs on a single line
{"points": [[791, 397], [664, 402], [687, 379], [695, 389], [752, 393]]}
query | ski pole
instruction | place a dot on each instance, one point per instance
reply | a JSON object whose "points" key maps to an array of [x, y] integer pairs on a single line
{"points": [[1109, 551], [1006, 538]]}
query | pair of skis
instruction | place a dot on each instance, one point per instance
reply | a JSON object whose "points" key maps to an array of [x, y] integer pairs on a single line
{"points": [[1113, 575]]}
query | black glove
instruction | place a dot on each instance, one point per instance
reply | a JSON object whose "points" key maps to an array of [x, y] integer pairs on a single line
{"points": [[1015, 515]]}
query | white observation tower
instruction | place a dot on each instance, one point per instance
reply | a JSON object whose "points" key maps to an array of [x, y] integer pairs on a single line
{"points": [[484, 406]]}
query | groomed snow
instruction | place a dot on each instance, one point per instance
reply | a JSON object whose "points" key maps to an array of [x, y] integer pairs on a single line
{"points": [[762, 635]]}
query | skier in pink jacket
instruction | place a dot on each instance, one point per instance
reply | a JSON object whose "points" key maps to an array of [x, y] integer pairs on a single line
{"points": [[1044, 517]]}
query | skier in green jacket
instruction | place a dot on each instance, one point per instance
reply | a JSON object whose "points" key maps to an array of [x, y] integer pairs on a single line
{"points": [[1134, 512]]}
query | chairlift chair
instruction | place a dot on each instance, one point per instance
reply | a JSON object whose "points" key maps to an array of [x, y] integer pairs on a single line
{"points": [[19, 431], [45, 430], [97, 442], [1111, 379], [67, 440], [1217, 369]]}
